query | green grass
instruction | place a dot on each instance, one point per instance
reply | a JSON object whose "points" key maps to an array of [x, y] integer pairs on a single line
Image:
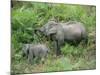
{"points": [[27, 16]]}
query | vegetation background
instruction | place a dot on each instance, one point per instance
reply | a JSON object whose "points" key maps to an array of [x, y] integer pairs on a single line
{"points": [[26, 16]]}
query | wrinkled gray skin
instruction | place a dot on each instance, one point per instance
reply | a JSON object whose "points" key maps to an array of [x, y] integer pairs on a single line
{"points": [[71, 31], [36, 51]]}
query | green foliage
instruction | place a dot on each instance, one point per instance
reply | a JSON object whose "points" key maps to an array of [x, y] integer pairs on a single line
{"points": [[72, 50], [27, 16]]}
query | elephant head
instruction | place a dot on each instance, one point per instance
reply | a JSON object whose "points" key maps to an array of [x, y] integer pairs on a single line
{"points": [[46, 28]]}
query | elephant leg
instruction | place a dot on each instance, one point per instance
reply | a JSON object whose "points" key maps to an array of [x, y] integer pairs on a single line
{"points": [[30, 57], [57, 48]]}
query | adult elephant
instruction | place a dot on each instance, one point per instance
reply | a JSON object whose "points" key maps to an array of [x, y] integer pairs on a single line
{"points": [[71, 31]]}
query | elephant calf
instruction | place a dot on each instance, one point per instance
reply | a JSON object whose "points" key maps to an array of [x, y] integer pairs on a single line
{"points": [[36, 51]]}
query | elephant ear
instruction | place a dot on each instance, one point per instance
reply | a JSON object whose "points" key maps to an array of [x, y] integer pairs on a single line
{"points": [[52, 31]]}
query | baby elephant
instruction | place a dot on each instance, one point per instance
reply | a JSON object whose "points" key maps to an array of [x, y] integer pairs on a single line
{"points": [[36, 51]]}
